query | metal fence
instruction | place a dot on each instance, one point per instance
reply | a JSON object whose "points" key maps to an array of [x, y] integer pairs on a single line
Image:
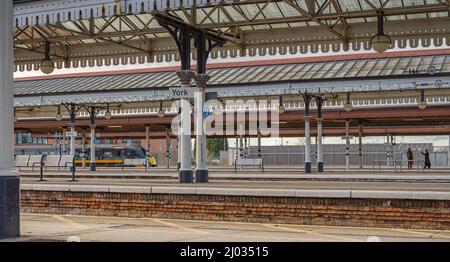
{"points": [[294, 155]]}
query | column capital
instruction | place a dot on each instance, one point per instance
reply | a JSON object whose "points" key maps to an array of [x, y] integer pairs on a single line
{"points": [[185, 77], [202, 80]]}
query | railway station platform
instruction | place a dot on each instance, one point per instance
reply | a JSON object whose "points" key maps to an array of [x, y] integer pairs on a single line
{"points": [[57, 228], [386, 200], [271, 174]]}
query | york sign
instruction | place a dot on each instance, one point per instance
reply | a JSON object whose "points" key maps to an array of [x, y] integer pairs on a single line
{"points": [[179, 92]]}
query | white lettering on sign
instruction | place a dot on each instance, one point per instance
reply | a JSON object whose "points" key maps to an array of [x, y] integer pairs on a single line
{"points": [[180, 92]]}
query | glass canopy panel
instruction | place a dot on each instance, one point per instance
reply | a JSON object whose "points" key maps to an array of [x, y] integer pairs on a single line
{"points": [[288, 72], [446, 65], [349, 5], [202, 14], [252, 75], [273, 73], [287, 10], [324, 69], [226, 74], [402, 66], [414, 63], [390, 66], [261, 76], [271, 11], [356, 68], [438, 62], [438, 14], [235, 76], [407, 3], [425, 64], [236, 15], [347, 66], [314, 69], [355, 20], [298, 74], [415, 16], [378, 68], [250, 11], [334, 70]]}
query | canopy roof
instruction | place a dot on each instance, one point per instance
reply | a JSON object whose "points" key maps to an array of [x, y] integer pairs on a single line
{"points": [[370, 78], [335, 68], [102, 32]]}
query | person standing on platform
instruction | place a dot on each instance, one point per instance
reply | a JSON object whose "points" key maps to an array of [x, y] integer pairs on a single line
{"points": [[410, 157], [427, 159]]}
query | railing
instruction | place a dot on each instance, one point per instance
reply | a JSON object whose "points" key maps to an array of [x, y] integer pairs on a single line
{"points": [[337, 158], [397, 165]]}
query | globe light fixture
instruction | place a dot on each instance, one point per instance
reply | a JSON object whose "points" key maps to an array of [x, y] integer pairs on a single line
{"points": [[422, 103], [58, 115], [348, 104], [47, 65], [108, 114], [380, 42]]}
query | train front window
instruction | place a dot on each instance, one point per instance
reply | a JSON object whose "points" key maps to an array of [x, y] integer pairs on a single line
{"points": [[128, 153]]}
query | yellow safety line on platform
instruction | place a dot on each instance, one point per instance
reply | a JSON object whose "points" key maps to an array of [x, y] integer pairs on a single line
{"points": [[424, 232], [198, 231], [312, 233], [170, 224], [428, 234], [69, 222]]}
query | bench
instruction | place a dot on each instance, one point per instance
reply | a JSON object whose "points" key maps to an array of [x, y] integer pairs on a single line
{"points": [[21, 161], [59, 161], [133, 162], [248, 162]]}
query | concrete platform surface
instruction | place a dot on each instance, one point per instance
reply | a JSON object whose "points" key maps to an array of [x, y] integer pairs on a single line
{"points": [[248, 184], [365, 175], [107, 229]]}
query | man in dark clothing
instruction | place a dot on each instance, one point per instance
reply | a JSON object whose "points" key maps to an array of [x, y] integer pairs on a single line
{"points": [[410, 157], [427, 159]]}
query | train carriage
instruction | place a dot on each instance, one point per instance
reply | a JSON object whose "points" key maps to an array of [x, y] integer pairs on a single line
{"points": [[105, 155]]}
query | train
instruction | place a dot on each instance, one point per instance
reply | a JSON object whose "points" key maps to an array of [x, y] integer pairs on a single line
{"points": [[105, 155]]}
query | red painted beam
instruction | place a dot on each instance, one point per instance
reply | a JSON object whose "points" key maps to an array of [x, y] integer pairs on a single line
{"points": [[291, 132], [297, 116]]}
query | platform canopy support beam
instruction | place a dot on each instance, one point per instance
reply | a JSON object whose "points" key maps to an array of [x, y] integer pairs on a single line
{"points": [[93, 112], [347, 144], [204, 42], [307, 100], [360, 145], [168, 144], [319, 104], [9, 179]]}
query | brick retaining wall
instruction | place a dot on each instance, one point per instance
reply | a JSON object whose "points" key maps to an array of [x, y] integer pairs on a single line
{"points": [[373, 212]]}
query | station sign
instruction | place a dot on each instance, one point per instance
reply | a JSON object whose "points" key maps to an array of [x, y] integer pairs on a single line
{"points": [[180, 92], [72, 134]]}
